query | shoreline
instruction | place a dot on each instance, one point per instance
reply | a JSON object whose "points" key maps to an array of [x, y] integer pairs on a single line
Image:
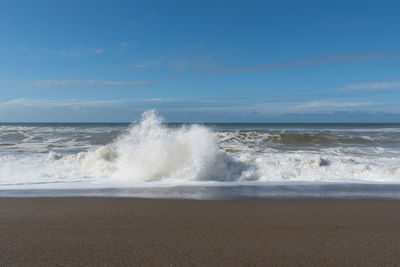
{"points": [[221, 191], [127, 231]]}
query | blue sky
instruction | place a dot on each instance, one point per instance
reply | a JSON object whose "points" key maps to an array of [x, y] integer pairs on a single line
{"points": [[200, 61]]}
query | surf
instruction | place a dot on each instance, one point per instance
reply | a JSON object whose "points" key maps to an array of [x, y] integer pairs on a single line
{"points": [[152, 152]]}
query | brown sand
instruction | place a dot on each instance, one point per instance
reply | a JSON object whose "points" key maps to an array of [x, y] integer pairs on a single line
{"points": [[90, 231]]}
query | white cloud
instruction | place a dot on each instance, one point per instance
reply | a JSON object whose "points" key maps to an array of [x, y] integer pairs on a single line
{"points": [[90, 83], [356, 56], [151, 63], [126, 44], [179, 64], [75, 52], [240, 109], [372, 86], [199, 63], [23, 102], [331, 104]]}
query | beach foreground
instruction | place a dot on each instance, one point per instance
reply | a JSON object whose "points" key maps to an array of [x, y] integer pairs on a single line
{"points": [[127, 231]]}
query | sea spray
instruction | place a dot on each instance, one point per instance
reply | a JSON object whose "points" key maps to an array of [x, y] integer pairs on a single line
{"points": [[150, 151]]}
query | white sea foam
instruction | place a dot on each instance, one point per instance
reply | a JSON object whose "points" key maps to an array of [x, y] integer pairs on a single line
{"points": [[152, 153]]}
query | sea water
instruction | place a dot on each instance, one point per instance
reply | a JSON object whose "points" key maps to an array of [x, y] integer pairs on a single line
{"points": [[151, 158]]}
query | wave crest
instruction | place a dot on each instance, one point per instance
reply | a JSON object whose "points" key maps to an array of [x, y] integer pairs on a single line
{"points": [[150, 151]]}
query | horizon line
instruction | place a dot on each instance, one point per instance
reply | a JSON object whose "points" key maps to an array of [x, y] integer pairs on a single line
{"points": [[174, 122]]}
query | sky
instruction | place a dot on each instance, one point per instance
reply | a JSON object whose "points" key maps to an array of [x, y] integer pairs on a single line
{"points": [[200, 61]]}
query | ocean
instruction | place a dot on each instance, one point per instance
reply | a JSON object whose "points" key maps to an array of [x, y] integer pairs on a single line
{"points": [[200, 161]]}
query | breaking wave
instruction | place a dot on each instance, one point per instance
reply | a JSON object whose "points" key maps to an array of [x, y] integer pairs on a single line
{"points": [[151, 152]]}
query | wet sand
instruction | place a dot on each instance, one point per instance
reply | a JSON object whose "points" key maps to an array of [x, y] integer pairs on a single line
{"points": [[123, 231]]}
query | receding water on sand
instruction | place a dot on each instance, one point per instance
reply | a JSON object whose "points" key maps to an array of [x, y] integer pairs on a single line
{"points": [[226, 192]]}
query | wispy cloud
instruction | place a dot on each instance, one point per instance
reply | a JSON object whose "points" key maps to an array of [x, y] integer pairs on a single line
{"points": [[372, 86], [314, 60], [200, 110], [242, 104], [18, 102], [126, 44], [75, 52], [179, 64], [154, 63], [198, 63], [332, 104], [90, 83]]}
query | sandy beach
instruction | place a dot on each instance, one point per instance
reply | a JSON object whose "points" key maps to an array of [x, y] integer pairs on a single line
{"points": [[123, 231]]}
